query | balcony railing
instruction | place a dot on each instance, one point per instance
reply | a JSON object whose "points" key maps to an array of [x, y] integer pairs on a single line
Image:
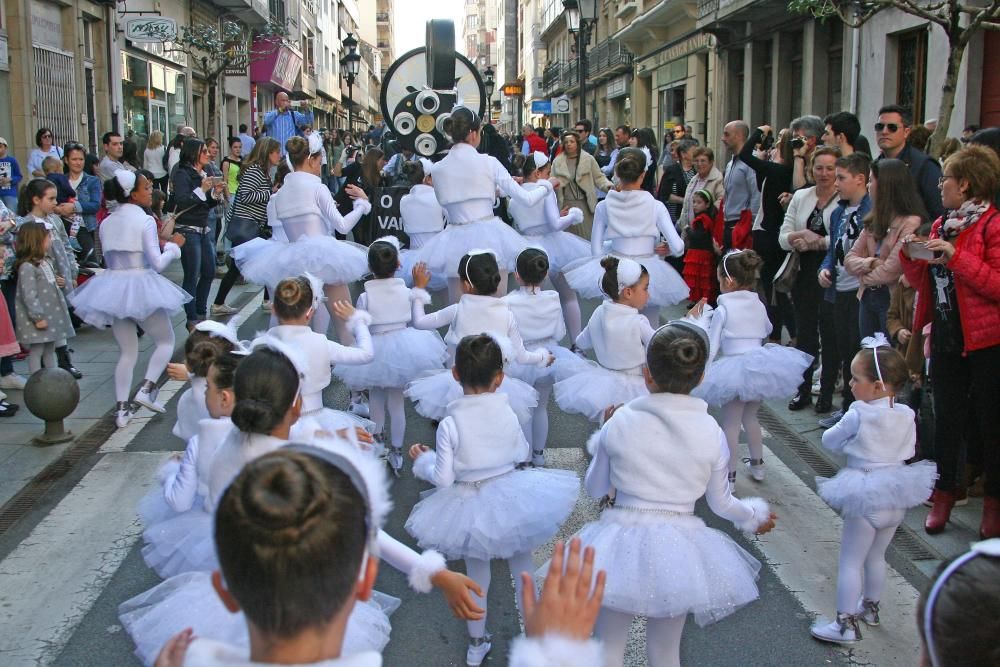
{"points": [[707, 7], [552, 77], [606, 57]]}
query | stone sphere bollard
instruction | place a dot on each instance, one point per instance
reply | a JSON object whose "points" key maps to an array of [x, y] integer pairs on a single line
{"points": [[52, 394]]}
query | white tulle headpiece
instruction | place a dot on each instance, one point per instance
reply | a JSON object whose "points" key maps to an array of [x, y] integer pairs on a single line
{"points": [[391, 240], [126, 179], [427, 165], [273, 343], [316, 285], [225, 330], [540, 159], [629, 272]]}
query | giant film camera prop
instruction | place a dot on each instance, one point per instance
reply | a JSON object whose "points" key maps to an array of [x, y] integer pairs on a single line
{"points": [[423, 86]]}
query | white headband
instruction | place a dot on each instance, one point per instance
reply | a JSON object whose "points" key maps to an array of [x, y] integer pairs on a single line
{"points": [[629, 272], [725, 269], [226, 331], [989, 548], [873, 343], [391, 240], [126, 179], [427, 165], [540, 158], [472, 253]]}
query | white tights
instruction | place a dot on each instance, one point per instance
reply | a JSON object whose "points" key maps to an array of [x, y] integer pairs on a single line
{"points": [[540, 417], [455, 287], [862, 566], [570, 305], [734, 414], [321, 318], [39, 353], [378, 399], [663, 638], [159, 328], [479, 571]]}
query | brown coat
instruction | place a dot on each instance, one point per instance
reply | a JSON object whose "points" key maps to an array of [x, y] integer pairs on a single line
{"points": [[900, 316]]}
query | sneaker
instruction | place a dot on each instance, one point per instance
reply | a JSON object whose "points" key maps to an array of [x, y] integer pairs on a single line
{"points": [[8, 409], [478, 648], [832, 420], [843, 630], [395, 460], [223, 309], [123, 413], [868, 612], [266, 305], [756, 468], [146, 397], [538, 458], [13, 381]]}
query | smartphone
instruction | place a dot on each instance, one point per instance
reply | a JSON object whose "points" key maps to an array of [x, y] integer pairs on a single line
{"points": [[918, 250]]}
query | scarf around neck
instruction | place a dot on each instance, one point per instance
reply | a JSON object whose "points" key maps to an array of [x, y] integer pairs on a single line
{"points": [[962, 218]]}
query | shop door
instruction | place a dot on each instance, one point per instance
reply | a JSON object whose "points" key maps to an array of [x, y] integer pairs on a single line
{"points": [[158, 116]]}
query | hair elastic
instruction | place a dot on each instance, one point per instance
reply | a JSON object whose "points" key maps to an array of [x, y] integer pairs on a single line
{"points": [[472, 253], [540, 159], [990, 548], [126, 179]]}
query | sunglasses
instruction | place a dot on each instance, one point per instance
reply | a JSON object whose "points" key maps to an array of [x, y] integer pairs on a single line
{"points": [[892, 127]]}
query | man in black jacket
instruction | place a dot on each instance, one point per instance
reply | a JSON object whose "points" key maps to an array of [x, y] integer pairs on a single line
{"points": [[891, 132]]}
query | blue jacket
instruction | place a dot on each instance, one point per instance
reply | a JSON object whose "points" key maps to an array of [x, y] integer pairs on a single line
{"points": [[88, 200], [15, 177], [836, 219]]}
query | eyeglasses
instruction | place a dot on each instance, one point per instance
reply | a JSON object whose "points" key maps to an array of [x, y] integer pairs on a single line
{"points": [[892, 127], [944, 178]]}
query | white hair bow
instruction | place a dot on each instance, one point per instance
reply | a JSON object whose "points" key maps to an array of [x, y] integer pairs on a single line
{"points": [[126, 179], [629, 272], [540, 159], [873, 343]]}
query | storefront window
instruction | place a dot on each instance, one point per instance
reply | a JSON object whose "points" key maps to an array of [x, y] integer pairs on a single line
{"points": [[135, 98]]}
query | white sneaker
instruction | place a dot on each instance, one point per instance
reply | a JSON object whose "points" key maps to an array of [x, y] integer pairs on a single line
{"points": [[756, 469], [13, 381], [478, 648], [868, 612], [147, 399], [266, 305], [223, 309], [395, 459], [123, 414], [538, 458], [843, 630]]}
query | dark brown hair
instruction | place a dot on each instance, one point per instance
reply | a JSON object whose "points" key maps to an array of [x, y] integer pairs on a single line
{"points": [[223, 370], [293, 297], [896, 197], [533, 266], [891, 364], [676, 358], [478, 359], [631, 165], [481, 271], [30, 243], [298, 151], [371, 174], [609, 281], [266, 385], [201, 349], [742, 266]]}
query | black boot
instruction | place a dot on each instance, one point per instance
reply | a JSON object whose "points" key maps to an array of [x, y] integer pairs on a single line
{"points": [[65, 363]]}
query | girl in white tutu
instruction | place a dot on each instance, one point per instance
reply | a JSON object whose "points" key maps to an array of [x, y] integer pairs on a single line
{"points": [[131, 291], [295, 302], [484, 506], [308, 216], [633, 221], [423, 219], [401, 353], [539, 319], [208, 341], [466, 184], [744, 371], [873, 491], [542, 225], [659, 454], [618, 333], [478, 311]]}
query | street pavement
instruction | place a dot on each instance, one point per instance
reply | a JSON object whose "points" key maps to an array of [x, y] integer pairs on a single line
{"points": [[73, 553]]}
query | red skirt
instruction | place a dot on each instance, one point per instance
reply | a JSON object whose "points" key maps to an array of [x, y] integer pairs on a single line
{"points": [[8, 339], [699, 274]]}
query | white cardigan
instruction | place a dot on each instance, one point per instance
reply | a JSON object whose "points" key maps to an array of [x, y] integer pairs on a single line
{"points": [[803, 203]]}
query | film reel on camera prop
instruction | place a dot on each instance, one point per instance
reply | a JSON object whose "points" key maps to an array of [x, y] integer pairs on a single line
{"points": [[422, 86]]}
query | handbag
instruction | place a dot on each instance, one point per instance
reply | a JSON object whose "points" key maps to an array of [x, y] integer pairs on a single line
{"points": [[787, 274]]}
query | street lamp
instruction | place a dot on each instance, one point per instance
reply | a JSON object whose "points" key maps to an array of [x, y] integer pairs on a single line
{"points": [[581, 15], [490, 84], [349, 66]]}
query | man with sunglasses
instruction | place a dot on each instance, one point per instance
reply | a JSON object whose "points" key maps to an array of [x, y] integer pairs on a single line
{"points": [[891, 133]]}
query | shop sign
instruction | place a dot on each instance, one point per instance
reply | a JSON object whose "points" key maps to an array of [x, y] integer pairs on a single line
{"points": [[560, 104], [686, 47], [541, 106], [617, 87], [151, 29], [46, 24]]}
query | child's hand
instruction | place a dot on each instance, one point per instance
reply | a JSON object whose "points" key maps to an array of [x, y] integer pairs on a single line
{"points": [[698, 309], [343, 309], [904, 335], [421, 276], [173, 652], [60, 281], [716, 247], [177, 372], [178, 239], [457, 590], [567, 607], [354, 192], [176, 456], [563, 213], [825, 279], [556, 183], [417, 450], [42, 324], [767, 526], [609, 412], [552, 360], [662, 249]]}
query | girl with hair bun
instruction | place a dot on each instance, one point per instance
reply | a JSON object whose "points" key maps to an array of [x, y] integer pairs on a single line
{"points": [[466, 184], [423, 219], [653, 459], [542, 225], [634, 221], [308, 216], [401, 353], [743, 370], [478, 311]]}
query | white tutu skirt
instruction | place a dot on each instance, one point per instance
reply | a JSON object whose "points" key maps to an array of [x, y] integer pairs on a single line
{"points": [[854, 492], [333, 261], [189, 601], [401, 356], [669, 565], [561, 247], [496, 518], [767, 372], [432, 393], [179, 542], [407, 260], [532, 374], [125, 294], [443, 252], [594, 389], [666, 286]]}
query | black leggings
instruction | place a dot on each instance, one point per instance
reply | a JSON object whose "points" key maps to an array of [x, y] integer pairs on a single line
{"points": [[227, 282]]}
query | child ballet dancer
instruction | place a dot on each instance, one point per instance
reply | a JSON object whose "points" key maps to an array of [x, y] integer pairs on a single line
{"points": [[131, 292], [658, 455], [209, 340], [539, 319], [743, 371], [42, 318], [295, 302], [542, 225], [633, 221], [423, 219], [493, 509], [401, 353], [876, 487], [478, 311], [702, 256], [618, 333]]}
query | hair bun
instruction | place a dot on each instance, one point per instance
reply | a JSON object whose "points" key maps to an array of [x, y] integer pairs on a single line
{"points": [[282, 502], [609, 263], [254, 416]]}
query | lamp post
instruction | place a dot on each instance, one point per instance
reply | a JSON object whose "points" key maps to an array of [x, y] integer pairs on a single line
{"points": [[581, 15], [349, 66], [490, 84]]}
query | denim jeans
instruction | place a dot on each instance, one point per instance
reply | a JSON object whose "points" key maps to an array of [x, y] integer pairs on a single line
{"points": [[873, 311], [198, 260], [10, 201]]}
